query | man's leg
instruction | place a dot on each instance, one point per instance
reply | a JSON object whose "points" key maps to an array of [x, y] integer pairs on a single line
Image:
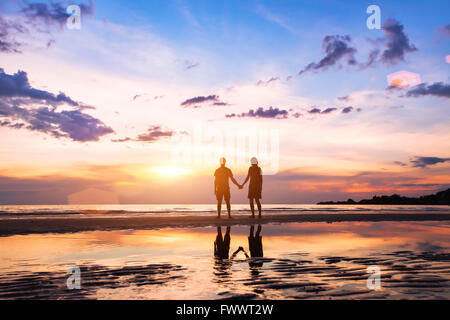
{"points": [[228, 208], [219, 204], [252, 207], [259, 206], [227, 200]]}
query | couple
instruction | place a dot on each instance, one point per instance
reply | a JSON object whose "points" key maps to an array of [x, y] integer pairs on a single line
{"points": [[222, 246], [222, 188]]}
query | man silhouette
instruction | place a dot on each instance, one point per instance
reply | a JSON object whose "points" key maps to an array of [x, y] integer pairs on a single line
{"points": [[221, 186]]}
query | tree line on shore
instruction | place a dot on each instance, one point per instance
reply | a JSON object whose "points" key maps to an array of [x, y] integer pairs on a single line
{"points": [[440, 198]]}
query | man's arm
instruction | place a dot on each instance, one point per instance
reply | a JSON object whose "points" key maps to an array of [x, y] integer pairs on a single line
{"points": [[234, 180], [215, 185]]}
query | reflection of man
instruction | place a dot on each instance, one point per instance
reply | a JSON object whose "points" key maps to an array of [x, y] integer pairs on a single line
{"points": [[222, 245], [221, 186]]}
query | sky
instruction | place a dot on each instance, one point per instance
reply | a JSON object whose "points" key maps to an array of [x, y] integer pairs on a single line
{"points": [[138, 103]]}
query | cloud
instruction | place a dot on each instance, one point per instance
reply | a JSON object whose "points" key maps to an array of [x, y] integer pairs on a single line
{"points": [[72, 124], [397, 42], [316, 110], [347, 110], [8, 31], [328, 110], [403, 79], [18, 110], [272, 17], [400, 163], [219, 103], [153, 134], [190, 18], [344, 98], [336, 48], [203, 99], [189, 64], [39, 17], [438, 89], [262, 82], [17, 85], [444, 30], [422, 162], [261, 113]]}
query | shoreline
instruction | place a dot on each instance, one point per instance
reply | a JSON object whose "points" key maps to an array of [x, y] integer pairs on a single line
{"points": [[23, 226]]}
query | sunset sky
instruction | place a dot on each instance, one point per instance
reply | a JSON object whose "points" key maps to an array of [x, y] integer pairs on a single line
{"points": [[138, 105]]}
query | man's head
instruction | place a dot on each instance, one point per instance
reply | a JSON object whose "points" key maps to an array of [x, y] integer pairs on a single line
{"points": [[254, 161], [223, 161]]}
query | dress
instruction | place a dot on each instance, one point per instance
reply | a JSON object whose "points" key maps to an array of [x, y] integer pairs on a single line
{"points": [[255, 187]]}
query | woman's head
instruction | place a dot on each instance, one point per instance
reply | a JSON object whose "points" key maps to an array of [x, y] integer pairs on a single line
{"points": [[254, 161]]}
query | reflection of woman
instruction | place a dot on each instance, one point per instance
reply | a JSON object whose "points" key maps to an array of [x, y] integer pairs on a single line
{"points": [[255, 187], [255, 242], [255, 247]]}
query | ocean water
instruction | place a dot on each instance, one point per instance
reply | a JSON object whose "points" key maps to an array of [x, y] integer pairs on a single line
{"points": [[292, 261], [10, 211]]}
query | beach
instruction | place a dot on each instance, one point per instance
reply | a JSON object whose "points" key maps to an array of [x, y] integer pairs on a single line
{"points": [[114, 221], [304, 254]]}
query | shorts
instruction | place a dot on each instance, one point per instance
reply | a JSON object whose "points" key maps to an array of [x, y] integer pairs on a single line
{"points": [[220, 194]]}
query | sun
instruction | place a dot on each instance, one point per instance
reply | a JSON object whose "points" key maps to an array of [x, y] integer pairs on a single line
{"points": [[171, 171]]}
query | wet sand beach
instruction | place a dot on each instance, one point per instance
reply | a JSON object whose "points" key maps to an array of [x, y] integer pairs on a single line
{"points": [[86, 221], [314, 260]]}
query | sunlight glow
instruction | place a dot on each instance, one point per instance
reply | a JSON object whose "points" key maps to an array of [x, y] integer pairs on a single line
{"points": [[171, 171]]}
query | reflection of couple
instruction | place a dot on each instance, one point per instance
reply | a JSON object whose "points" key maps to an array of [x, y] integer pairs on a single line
{"points": [[222, 246], [222, 188]]}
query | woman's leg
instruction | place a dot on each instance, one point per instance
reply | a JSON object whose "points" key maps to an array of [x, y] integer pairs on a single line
{"points": [[252, 207], [259, 206]]}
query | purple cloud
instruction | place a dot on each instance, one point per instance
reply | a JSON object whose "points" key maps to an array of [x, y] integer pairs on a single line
{"points": [[153, 134], [8, 31], [336, 48], [422, 162], [438, 89], [18, 110], [18, 85], [194, 102], [262, 82], [261, 113], [72, 124], [316, 110], [444, 30], [397, 42]]}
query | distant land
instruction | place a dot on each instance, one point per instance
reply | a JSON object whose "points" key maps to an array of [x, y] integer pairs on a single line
{"points": [[440, 198]]}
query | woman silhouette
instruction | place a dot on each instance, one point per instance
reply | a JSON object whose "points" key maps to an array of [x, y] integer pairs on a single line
{"points": [[255, 187]]}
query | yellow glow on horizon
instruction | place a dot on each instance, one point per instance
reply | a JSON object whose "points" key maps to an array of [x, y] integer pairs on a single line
{"points": [[171, 171]]}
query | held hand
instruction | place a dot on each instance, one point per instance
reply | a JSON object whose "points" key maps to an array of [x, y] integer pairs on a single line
{"points": [[240, 186]]}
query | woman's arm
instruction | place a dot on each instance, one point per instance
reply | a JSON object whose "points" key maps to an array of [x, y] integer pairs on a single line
{"points": [[248, 177]]}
